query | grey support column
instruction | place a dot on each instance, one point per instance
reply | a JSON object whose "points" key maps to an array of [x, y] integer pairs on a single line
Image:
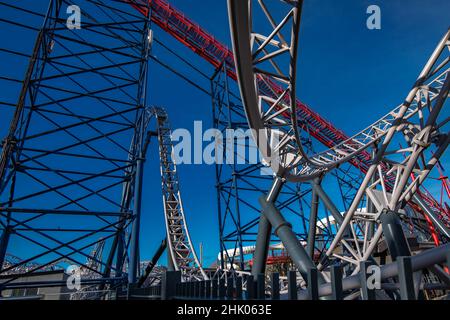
{"points": [[313, 219], [394, 236], [170, 266], [283, 230], [264, 232], [328, 203]]}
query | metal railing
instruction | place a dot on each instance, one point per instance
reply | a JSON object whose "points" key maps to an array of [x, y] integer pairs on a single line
{"points": [[397, 280]]}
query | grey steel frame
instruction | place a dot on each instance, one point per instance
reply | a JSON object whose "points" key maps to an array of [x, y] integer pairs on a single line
{"points": [[288, 158]]}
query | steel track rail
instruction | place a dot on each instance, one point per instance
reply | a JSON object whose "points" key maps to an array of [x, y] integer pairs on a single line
{"points": [[181, 251]]}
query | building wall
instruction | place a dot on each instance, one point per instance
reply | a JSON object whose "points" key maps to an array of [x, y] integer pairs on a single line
{"points": [[42, 293]]}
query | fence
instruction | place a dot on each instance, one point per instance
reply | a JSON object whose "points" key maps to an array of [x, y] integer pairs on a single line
{"points": [[400, 280]]}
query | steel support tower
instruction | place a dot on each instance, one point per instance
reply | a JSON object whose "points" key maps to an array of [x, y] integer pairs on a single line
{"points": [[71, 164]]}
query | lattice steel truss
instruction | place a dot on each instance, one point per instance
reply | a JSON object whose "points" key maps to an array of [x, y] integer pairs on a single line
{"points": [[240, 183], [419, 123], [182, 256], [71, 163]]}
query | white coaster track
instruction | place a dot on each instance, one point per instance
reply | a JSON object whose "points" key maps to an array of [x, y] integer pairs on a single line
{"points": [[181, 250]]}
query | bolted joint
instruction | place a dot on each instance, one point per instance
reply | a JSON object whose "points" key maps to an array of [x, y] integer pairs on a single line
{"points": [[383, 212], [10, 230], [421, 141], [9, 141], [19, 167], [284, 231], [283, 224]]}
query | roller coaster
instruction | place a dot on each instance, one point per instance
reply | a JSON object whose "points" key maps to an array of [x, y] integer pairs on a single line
{"points": [[71, 177]]}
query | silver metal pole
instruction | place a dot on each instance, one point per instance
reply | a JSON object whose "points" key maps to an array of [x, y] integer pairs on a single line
{"points": [[264, 231]]}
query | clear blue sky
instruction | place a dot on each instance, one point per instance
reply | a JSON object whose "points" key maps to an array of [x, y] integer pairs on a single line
{"points": [[347, 73]]}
